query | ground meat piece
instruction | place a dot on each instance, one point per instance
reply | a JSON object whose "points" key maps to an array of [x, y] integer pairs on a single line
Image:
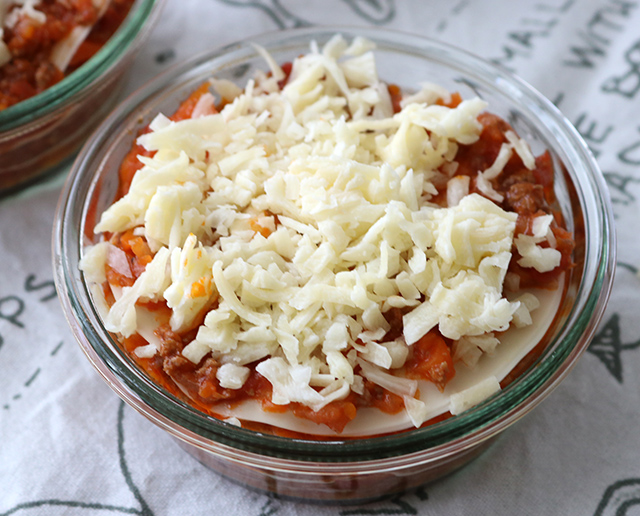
{"points": [[170, 342], [525, 198], [181, 372], [376, 396], [46, 75], [480, 155], [394, 318], [199, 383], [523, 175]]}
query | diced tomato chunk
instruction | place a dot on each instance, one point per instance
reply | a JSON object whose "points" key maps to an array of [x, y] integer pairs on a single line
{"points": [[431, 360], [286, 68], [130, 165], [454, 101], [396, 97], [186, 108], [335, 415], [382, 399], [255, 226]]}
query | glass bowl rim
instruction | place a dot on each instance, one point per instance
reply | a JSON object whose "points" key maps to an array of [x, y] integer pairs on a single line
{"points": [[473, 426], [40, 107]]}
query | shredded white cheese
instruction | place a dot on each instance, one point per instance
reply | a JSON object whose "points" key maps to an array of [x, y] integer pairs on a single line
{"points": [[5, 53], [473, 395], [304, 214], [27, 8], [64, 50]]}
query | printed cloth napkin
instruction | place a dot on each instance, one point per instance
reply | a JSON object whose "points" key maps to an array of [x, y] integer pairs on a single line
{"points": [[70, 446]]}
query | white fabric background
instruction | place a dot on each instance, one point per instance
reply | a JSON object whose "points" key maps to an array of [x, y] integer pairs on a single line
{"points": [[69, 446]]}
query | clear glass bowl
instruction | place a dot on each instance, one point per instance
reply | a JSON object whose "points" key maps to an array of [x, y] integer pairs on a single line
{"points": [[360, 469], [41, 132]]}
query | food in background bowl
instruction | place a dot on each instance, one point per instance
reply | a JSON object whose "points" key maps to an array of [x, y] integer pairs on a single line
{"points": [[56, 85], [336, 467], [327, 256], [43, 41]]}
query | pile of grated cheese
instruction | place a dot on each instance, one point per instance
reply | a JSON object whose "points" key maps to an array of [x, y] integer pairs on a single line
{"points": [[305, 213]]}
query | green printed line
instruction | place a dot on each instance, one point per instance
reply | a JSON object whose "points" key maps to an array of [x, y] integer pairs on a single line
{"points": [[32, 378], [622, 495], [376, 5], [403, 509], [628, 266], [145, 509], [267, 509], [55, 350], [62, 503]]}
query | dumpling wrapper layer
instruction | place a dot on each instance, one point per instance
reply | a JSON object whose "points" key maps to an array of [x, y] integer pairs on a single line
{"points": [[514, 345]]}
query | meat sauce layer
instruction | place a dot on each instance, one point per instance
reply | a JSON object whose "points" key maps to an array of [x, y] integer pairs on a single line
{"points": [[30, 70]]}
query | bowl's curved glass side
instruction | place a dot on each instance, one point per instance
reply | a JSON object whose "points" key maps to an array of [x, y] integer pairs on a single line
{"points": [[584, 205]]}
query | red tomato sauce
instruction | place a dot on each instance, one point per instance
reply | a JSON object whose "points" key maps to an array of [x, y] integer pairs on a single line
{"points": [[131, 164], [528, 193], [30, 43]]}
